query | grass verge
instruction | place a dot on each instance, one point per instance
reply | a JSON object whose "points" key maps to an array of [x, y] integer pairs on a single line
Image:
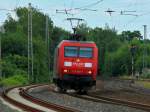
{"points": [[145, 84], [15, 80]]}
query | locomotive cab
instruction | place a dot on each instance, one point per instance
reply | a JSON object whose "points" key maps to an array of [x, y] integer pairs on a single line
{"points": [[75, 65]]}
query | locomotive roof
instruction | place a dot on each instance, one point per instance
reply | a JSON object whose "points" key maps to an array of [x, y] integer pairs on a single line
{"points": [[74, 41], [77, 41]]}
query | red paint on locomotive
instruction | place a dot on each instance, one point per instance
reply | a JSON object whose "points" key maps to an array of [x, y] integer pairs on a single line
{"points": [[75, 64]]}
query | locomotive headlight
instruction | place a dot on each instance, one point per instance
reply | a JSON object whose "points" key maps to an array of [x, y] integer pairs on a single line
{"points": [[65, 70], [88, 65], [68, 64], [89, 71], [78, 60]]}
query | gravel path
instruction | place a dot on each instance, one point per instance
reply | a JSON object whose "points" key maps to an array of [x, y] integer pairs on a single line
{"points": [[114, 84], [125, 95], [3, 107], [1, 90], [82, 105]]}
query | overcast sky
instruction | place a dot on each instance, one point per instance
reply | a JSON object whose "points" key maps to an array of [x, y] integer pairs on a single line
{"points": [[131, 21]]}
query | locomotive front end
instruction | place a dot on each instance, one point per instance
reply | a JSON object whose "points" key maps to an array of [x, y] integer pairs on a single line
{"points": [[78, 65]]}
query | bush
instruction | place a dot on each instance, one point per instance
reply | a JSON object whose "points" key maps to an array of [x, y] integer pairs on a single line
{"points": [[145, 74], [15, 80]]}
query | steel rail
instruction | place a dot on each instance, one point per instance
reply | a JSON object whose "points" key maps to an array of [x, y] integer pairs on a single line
{"points": [[101, 99], [24, 93], [18, 104], [124, 102], [129, 79]]}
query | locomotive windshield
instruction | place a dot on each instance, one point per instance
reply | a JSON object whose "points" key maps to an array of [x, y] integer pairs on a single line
{"points": [[71, 51], [83, 52]]}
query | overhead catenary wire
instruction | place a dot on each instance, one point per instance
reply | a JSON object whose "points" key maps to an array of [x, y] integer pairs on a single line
{"points": [[1, 9], [136, 17], [130, 14], [82, 8], [95, 3], [131, 21], [91, 5]]}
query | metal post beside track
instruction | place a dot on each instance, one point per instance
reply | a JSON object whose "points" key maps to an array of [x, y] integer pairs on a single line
{"points": [[30, 44], [133, 50]]}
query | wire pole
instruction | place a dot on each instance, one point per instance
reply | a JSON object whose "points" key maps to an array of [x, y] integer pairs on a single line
{"points": [[145, 51], [0, 54], [47, 45], [30, 45], [132, 67], [133, 51], [32, 58]]}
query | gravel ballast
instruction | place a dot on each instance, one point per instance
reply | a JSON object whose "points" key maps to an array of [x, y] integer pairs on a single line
{"points": [[80, 104], [115, 84], [5, 108]]}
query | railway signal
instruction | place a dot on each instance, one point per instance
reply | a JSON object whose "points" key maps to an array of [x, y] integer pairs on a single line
{"points": [[133, 51]]}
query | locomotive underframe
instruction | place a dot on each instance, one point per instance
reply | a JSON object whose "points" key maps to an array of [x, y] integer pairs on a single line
{"points": [[75, 82]]}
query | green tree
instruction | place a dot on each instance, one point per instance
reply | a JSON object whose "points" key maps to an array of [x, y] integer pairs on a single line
{"points": [[128, 35]]}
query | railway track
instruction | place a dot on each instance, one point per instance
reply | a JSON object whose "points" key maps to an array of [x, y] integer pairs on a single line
{"points": [[19, 97], [37, 105], [130, 79], [101, 99]]}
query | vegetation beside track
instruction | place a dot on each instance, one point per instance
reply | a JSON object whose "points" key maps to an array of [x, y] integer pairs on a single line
{"points": [[114, 49], [145, 84], [142, 80], [15, 80], [142, 77]]}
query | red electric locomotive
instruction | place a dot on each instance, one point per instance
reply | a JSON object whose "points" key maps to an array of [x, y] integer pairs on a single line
{"points": [[75, 65]]}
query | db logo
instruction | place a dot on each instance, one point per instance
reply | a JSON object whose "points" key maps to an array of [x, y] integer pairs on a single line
{"points": [[78, 64]]}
